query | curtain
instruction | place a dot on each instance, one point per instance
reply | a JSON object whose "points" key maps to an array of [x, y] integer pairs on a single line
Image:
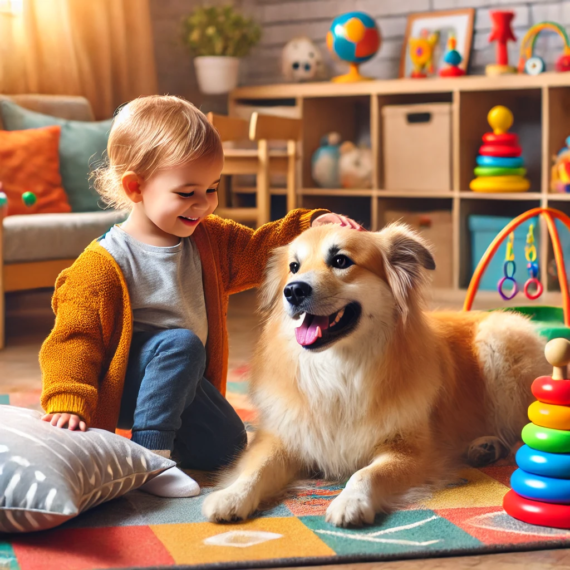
{"points": [[101, 49]]}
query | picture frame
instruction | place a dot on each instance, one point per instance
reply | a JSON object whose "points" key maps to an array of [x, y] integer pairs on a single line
{"points": [[459, 22]]}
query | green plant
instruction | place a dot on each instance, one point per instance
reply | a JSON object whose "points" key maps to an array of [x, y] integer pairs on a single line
{"points": [[220, 30]]}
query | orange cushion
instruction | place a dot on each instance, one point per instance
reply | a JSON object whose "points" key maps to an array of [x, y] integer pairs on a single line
{"points": [[29, 162]]}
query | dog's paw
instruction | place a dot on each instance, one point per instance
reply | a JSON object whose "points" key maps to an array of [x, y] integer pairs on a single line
{"points": [[228, 505], [485, 451], [350, 508]]}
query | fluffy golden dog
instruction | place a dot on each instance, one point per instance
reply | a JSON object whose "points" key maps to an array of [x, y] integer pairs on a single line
{"points": [[352, 378]]}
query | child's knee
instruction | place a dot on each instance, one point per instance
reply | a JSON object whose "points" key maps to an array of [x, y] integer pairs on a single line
{"points": [[186, 342]]}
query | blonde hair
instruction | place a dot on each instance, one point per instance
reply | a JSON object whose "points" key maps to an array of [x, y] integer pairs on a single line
{"points": [[151, 133]]}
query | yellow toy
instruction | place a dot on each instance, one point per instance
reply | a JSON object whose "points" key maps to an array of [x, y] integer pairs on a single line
{"points": [[421, 53], [500, 166], [560, 173]]}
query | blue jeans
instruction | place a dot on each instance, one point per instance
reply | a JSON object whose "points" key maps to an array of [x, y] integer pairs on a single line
{"points": [[169, 404]]}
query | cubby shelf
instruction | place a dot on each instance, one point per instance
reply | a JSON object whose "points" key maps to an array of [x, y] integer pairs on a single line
{"points": [[541, 107]]}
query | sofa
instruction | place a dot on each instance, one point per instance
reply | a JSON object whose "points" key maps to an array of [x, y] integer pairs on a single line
{"points": [[35, 248]]}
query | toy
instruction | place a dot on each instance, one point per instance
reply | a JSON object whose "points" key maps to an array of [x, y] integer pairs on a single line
{"points": [[29, 199], [353, 37], [500, 166], [355, 166], [532, 266], [302, 60], [421, 53], [560, 172], [453, 58], [501, 33], [541, 485], [509, 270], [324, 162], [533, 64]]}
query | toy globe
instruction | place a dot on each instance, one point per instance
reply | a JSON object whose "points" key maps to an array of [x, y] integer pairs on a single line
{"points": [[353, 37]]}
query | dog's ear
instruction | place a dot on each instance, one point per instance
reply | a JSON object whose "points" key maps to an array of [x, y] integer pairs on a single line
{"points": [[274, 278], [405, 255]]}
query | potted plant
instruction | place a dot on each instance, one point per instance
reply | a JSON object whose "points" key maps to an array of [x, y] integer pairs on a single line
{"points": [[217, 37]]}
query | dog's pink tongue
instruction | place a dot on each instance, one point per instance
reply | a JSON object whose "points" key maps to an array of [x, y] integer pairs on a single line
{"points": [[311, 329]]}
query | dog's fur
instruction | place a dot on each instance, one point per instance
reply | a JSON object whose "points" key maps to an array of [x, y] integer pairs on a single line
{"points": [[397, 402]]}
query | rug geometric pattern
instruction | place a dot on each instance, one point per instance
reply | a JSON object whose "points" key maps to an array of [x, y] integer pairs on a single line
{"points": [[141, 531]]}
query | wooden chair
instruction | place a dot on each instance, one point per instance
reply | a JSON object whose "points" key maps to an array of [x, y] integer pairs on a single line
{"points": [[260, 161]]}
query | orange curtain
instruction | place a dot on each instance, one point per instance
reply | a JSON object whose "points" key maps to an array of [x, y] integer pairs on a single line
{"points": [[101, 49]]}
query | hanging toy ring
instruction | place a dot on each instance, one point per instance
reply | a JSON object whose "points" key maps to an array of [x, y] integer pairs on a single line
{"points": [[533, 281], [509, 269]]}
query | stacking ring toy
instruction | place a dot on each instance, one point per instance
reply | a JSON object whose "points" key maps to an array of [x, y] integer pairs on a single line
{"points": [[501, 161], [533, 512], [540, 488], [498, 171], [551, 391], [549, 415], [546, 464], [508, 139], [500, 151], [500, 184], [546, 439], [532, 296]]}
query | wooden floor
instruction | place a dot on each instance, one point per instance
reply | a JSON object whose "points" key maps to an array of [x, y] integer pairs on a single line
{"points": [[29, 320]]}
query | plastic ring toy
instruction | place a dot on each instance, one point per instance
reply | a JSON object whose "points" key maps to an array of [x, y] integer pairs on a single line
{"points": [[532, 296], [498, 171], [534, 512], [501, 161], [504, 138], [513, 292], [500, 151], [546, 439], [549, 415], [500, 184], [546, 464], [535, 66], [540, 488], [532, 267], [550, 391]]}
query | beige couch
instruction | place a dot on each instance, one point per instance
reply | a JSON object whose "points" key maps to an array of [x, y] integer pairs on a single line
{"points": [[34, 249]]}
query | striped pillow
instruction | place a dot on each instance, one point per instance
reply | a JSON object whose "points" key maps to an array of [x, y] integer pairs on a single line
{"points": [[49, 475]]}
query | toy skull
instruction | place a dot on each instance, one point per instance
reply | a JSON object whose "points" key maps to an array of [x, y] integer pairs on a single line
{"points": [[301, 60]]}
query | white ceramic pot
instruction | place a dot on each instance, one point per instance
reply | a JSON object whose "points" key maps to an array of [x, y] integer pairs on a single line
{"points": [[217, 73]]}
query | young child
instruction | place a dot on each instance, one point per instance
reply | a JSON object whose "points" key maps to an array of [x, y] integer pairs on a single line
{"points": [[140, 339]]}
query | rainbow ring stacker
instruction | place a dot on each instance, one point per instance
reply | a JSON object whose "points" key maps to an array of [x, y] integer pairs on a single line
{"points": [[501, 161], [555, 465], [549, 415], [535, 512], [546, 439]]}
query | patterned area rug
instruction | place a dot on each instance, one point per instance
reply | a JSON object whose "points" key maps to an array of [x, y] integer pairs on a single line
{"points": [[141, 531]]}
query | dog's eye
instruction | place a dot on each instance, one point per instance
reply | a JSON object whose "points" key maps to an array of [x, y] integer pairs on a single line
{"points": [[294, 267], [341, 262]]}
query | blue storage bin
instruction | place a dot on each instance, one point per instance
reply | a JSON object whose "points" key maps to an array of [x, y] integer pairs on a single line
{"points": [[483, 231]]}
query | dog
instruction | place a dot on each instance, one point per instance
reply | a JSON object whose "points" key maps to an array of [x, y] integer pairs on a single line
{"points": [[352, 378]]}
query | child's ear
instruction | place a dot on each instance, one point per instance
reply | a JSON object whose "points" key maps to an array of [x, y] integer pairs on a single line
{"points": [[132, 186]]}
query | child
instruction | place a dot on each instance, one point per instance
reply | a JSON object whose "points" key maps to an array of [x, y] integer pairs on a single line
{"points": [[140, 339]]}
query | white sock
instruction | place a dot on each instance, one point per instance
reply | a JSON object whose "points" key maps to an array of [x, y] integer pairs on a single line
{"points": [[172, 483]]}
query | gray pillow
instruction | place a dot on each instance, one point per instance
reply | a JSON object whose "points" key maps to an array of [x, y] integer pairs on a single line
{"points": [[49, 475]]}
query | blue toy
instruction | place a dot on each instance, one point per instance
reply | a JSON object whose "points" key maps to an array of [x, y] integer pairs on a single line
{"points": [[324, 163], [538, 488], [555, 465]]}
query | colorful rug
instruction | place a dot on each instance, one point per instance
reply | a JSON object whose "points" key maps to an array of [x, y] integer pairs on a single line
{"points": [[142, 531]]}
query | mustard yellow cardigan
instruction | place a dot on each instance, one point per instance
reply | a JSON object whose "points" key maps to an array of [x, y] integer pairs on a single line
{"points": [[84, 359]]}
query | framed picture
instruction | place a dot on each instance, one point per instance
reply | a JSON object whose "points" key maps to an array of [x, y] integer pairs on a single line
{"points": [[436, 28]]}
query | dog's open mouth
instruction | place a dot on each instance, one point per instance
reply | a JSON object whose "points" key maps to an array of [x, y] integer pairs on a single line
{"points": [[316, 331]]}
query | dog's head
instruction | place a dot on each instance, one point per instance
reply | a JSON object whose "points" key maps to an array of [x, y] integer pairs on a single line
{"points": [[335, 282]]}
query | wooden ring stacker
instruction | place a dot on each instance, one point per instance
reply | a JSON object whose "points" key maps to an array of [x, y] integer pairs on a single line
{"points": [[500, 151], [536, 512], [542, 463]]}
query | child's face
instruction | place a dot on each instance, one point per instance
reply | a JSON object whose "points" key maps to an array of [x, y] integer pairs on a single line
{"points": [[177, 199]]}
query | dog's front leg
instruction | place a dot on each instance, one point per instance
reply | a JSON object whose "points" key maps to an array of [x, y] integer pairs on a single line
{"points": [[394, 469], [262, 471]]}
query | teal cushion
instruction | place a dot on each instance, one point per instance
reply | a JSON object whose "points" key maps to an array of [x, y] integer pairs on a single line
{"points": [[81, 146]]}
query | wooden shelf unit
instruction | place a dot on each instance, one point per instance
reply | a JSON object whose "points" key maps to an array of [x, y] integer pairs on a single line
{"points": [[541, 108]]}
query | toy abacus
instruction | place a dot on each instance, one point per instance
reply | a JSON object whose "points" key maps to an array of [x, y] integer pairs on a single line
{"points": [[540, 491], [500, 166], [551, 322]]}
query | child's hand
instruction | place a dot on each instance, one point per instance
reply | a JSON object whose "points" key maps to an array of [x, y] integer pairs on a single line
{"points": [[65, 420], [337, 219]]}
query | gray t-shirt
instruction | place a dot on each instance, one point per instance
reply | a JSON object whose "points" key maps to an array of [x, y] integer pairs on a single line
{"points": [[165, 283]]}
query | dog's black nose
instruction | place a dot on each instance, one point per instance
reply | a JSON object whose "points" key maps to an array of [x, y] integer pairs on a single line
{"points": [[297, 292]]}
